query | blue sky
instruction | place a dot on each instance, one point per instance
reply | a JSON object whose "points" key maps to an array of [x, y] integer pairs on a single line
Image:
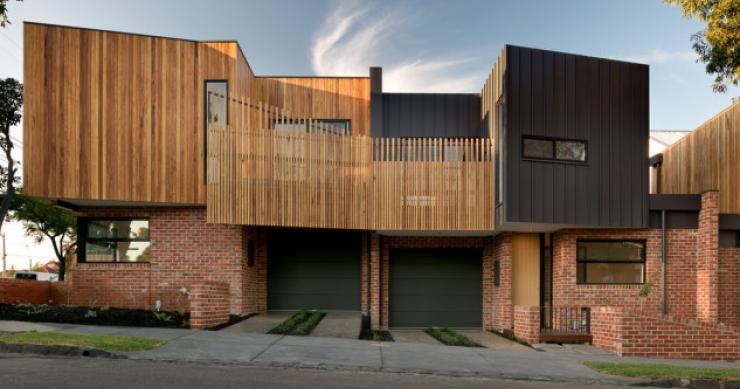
{"points": [[423, 45]]}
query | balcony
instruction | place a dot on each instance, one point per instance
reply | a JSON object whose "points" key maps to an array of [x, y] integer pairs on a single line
{"points": [[273, 169]]}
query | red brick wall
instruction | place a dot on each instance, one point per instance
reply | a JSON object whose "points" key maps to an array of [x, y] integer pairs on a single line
{"points": [[185, 250], [527, 323], [502, 309], [707, 259], [254, 281], [729, 286], [209, 304], [662, 336], [680, 272], [14, 291], [380, 261]]}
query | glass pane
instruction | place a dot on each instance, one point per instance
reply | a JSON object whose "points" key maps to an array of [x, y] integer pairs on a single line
{"points": [[118, 229], [100, 252], [614, 273], [570, 151], [216, 102], [537, 148], [611, 251]]}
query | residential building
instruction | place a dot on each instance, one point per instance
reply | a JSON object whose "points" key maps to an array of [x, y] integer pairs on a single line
{"points": [[525, 208]]}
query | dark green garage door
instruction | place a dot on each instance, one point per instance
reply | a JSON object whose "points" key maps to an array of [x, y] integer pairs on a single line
{"points": [[313, 270], [434, 287]]}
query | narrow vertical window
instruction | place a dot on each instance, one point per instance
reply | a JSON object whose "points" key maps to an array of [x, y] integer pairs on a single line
{"points": [[500, 133], [215, 112]]}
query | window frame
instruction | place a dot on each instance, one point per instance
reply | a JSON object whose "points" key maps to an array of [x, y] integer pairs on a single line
{"points": [[205, 121], [643, 242], [554, 158], [82, 238]]}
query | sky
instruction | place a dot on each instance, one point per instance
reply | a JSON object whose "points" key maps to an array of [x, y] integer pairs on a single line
{"points": [[422, 45]]}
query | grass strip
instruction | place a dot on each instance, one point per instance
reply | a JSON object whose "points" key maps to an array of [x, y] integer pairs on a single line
{"points": [[657, 371], [451, 338], [305, 327], [103, 342]]}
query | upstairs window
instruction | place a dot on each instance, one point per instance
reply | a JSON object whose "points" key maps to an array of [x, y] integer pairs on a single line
{"points": [[216, 102], [331, 126], [611, 262], [114, 240], [566, 150]]}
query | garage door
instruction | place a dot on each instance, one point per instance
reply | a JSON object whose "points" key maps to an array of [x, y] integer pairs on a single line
{"points": [[435, 288], [313, 270]]}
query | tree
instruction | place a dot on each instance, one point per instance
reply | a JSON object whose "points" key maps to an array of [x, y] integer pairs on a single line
{"points": [[11, 101], [718, 45], [42, 220]]}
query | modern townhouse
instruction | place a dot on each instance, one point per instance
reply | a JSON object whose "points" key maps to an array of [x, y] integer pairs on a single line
{"points": [[527, 208]]}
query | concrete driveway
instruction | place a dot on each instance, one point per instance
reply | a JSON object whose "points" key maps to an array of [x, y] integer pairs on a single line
{"points": [[335, 324], [485, 338]]}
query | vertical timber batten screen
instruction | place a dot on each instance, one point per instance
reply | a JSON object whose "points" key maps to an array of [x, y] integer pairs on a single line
{"points": [[270, 168]]}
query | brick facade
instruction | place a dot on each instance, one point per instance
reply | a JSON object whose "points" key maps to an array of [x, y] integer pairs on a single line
{"points": [[729, 286], [209, 304], [527, 323], [707, 259], [185, 250], [502, 309], [647, 334]]}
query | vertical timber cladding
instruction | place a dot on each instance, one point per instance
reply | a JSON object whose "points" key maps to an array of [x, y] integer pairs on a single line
{"points": [[526, 269], [599, 101], [708, 158], [314, 269], [435, 287]]}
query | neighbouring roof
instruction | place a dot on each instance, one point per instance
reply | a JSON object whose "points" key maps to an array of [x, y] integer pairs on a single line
{"points": [[661, 139]]}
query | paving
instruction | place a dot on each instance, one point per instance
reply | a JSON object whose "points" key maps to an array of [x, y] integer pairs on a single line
{"points": [[345, 325], [252, 349], [413, 336], [261, 323], [491, 340]]}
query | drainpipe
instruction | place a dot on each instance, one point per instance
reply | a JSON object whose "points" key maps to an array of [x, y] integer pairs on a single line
{"points": [[664, 247]]}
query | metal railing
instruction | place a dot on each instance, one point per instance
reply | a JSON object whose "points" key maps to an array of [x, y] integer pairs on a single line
{"points": [[566, 320]]}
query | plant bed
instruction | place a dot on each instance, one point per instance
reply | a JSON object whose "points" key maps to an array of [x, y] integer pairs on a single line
{"points": [[233, 319], [376, 336], [302, 323], [660, 371], [102, 342], [93, 315], [451, 338]]}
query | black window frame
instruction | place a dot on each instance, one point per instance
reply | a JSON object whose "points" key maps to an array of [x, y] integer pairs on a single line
{"points": [[82, 238], [643, 242], [554, 158], [205, 121], [348, 122]]}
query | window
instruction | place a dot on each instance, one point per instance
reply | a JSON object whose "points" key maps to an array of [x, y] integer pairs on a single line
{"points": [[611, 262], [332, 126], [114, 240], [554, 149], [216, 112], [500, 132]]}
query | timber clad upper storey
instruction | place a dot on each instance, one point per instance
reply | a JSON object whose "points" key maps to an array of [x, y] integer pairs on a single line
{"points": [[552, 140]]}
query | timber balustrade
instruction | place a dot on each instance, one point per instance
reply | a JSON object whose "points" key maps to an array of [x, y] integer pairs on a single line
{"points": [[271, 168]]}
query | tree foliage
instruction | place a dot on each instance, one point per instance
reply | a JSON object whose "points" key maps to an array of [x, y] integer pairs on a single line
{"points": [[718, 45], [42, 220], [11, 102]]}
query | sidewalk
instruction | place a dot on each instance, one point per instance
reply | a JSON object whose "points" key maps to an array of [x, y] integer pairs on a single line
{"points": [[346, 354]]}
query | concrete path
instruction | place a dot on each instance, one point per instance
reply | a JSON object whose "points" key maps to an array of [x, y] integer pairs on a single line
{"points": [[261, 323], [217, 347], [345, 325], [413, 337], [490, 340]]}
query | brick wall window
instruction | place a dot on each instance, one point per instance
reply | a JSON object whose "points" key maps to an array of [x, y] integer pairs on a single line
{"points": [[114, 240], [611, 261]]}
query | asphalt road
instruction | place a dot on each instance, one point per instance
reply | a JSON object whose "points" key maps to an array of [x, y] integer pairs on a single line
{"points": [[61, 373]]}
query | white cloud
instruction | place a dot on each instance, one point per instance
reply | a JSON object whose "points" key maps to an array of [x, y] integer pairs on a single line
{"points": [[355, 37], [660, 56]]}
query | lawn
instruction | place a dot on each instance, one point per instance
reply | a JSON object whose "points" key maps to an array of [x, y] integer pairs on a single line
{"points": [[103, 342], [302, 323], [451, 338], [657, 371]]}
